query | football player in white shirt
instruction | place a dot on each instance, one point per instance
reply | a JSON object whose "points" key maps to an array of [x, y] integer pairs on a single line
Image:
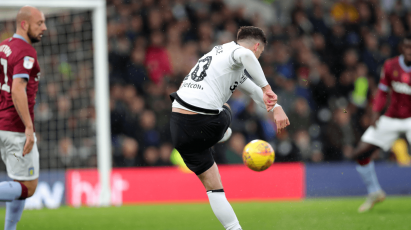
{"points": [[201, 117]]}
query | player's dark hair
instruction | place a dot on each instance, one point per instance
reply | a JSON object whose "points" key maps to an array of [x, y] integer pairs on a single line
{"points": [[251, 32], [407, 37]]}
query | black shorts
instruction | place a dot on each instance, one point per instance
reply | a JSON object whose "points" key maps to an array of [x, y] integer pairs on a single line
{"points": [[193, 135]]}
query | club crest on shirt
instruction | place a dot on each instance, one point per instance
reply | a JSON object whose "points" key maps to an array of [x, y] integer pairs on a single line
{"points": [[219, 49], [31, 171], [28, 62], [395, 73]]}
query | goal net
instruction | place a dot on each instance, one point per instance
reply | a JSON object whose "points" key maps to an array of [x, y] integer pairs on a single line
{"points": [[71, 112]]}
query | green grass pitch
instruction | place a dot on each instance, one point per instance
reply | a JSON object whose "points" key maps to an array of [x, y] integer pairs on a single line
{"points": [[315, 214]]}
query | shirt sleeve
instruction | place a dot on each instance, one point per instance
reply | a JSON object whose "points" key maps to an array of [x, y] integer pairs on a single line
{"points": [[385, 78], [23, 64], [252, 90], [383, 87], [250, 62]]}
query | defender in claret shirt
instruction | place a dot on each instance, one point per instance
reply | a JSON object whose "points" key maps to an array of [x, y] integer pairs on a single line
{"points": [[201, 117], [19, 79], [385, 129]]}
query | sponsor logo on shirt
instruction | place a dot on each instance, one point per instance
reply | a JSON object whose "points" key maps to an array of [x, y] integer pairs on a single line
{"points": [[192, 86], [405, 77], [28, 62], [219, 49], [401, 87]]}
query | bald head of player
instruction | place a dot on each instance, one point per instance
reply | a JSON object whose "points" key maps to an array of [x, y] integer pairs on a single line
{"points": [[252, 38], [30, 23]]}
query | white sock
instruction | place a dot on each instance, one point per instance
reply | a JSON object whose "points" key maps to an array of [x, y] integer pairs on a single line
{"points": [[9, 190], [227, 135], [369, 177], [14, 209], [223, 210]]}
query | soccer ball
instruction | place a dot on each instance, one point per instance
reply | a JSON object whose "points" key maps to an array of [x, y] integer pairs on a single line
{"points": [[258, 155]]}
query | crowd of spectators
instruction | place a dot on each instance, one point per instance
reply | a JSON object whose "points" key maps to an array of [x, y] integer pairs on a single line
{"points": [[323, 64]]}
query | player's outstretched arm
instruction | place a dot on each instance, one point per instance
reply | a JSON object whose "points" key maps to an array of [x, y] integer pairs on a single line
{"points": [[280, 119], [253, 67], [379, 104], [19, 96], [252, 90], [269, 97], [380, 99]]}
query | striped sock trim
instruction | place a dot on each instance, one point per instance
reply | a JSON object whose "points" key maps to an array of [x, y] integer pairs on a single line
{"points": [[217, 190], [364, 162], [24, 192]]}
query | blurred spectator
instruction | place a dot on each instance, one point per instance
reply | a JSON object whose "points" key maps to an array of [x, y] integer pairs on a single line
{"points": [[287, 94], [157, 60], [350, 59], [285, 149], [344, 11], [165, 154], [283, 61], [345, 83], [300, 116], [148, 135], [317, 156], [317, 19], [248, 123], [67, 152], [234, 152], [303, 142], [371, 55], [132, 116], [117, 109], [129, 151], [340, 136], [303, 24], [137, 74], [151, 156]]}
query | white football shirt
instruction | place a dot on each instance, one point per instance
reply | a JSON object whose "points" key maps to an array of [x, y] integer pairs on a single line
{"points": [[216, 75]]}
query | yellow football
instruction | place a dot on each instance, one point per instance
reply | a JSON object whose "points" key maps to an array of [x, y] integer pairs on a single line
{"points": [[258, 155]]}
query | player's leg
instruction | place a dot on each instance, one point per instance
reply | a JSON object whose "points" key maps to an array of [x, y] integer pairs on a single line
{"points": [[23, 170], [211, 180], [193, 136], [366, 169], [228, 133], [219, 204], [364, 151], [12, 190], [14, 208], [382, 137], [365, 166]]}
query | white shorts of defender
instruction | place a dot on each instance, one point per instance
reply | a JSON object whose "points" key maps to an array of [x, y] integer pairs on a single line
{"points": [[387, 131], [19, 167]]}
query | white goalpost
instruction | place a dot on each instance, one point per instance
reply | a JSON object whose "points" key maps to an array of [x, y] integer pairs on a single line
{"points": [[101, 80]]}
